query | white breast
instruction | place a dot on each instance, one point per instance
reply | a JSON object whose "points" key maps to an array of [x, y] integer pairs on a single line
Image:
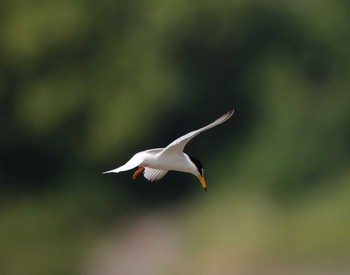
{"points": [[169, 161]]}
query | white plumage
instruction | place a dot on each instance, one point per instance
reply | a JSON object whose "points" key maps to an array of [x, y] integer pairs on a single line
{"points": [[154, 174], [155, 163]]}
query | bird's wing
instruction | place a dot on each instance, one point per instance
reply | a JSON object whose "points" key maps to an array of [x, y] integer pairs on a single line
{"points": [[154, 174], [135, 161], [180, 143]]}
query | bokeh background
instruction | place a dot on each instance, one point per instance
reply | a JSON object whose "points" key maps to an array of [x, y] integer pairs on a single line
{"points": [[85, 85]]}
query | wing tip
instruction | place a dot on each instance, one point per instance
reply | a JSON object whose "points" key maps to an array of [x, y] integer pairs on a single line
{"points": [[110, 171], [230, 113], [227, 115]]}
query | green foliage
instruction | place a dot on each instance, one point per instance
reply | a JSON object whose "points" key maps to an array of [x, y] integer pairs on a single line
{"points": [[84, 86]]}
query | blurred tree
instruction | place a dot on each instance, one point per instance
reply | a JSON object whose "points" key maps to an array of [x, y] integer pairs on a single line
{"points": [[84, 85]]}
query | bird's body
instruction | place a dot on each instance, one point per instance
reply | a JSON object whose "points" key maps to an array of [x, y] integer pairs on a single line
{"points": [[155, 163]]}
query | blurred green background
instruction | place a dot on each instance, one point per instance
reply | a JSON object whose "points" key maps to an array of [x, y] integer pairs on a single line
{"points": [[85, 85]]}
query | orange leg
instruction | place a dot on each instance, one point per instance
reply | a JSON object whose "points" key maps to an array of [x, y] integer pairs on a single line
{"points": [[138, 172]]}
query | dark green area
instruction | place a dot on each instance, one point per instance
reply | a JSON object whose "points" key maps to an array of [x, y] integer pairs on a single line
{"points": [[85, 85]]}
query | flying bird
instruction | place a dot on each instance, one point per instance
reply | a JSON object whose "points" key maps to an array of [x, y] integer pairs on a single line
{"points": [[155, 163]]}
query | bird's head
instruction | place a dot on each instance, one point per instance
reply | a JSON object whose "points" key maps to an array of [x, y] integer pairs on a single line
{"points": [[198, 171]]}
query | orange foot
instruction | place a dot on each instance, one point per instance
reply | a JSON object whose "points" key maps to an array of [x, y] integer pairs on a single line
{"points": [[138, 172]]}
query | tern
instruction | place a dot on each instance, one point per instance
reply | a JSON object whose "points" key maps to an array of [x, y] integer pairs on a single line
{"points": [[155, 163]]}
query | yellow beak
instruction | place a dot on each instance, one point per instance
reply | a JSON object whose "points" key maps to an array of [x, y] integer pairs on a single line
{"points": [[202, 181]]}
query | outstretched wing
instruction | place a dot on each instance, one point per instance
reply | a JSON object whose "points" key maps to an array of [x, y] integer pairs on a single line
{"points": [[135, 161], [180, 143], [154, 174]]}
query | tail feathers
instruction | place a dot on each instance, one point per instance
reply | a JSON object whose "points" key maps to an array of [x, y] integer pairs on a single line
{"points": [[154, 174]]}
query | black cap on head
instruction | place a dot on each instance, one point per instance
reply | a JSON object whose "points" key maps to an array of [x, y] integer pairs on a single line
{"points": [[198, 165]]}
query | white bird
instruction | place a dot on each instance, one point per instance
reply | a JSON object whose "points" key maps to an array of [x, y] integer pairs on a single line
{"points": [[155, 163]]}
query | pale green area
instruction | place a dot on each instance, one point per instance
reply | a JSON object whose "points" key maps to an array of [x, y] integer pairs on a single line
{"points": [[84, 85]]}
